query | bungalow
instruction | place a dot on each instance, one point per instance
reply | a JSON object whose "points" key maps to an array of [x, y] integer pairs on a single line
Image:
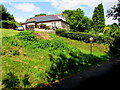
{"points": [[50, 22]]}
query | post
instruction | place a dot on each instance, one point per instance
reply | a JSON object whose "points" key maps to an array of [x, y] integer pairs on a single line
{"points": [[90, 47], [91, 39]]}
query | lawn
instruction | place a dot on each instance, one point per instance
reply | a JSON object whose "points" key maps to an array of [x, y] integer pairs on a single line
{"points": [[97, 49], [34, 59], [8, 32]]}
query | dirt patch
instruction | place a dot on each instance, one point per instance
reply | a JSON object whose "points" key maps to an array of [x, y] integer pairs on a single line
{"points": [[44, 36], [21, 61]]}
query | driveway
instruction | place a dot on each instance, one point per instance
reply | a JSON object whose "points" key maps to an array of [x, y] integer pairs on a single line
{"points": [[43, 30]]}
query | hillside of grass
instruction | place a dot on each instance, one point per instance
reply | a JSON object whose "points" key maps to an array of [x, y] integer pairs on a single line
{"points": [[97, 49], [8, 32], [34, 59]]}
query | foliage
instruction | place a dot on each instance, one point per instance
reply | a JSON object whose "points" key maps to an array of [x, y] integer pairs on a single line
{"points": [[114, 30], [43, 60], [7, 20], [5, 15], [98, 18], [47, 27], [11, 82], [106, 39], [60, 31], [115, 46], [87, 24], [77, 20], [114, 12], [9, 24], [41, 14]]}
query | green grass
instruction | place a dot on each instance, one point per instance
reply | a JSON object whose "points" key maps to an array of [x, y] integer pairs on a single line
{"points": [[33, 62], [97, 49], [8, 32]]}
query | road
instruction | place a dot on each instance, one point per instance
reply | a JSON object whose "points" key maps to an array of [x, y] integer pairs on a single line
{"points": [[106, 75]]}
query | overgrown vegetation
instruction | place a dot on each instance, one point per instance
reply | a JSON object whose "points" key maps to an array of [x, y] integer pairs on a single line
{"points": [[30, 61]]}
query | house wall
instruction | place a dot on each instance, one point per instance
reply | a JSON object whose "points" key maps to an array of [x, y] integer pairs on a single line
{"points": [[52, 24], [57, 24], [65, 25], [24, 26]]}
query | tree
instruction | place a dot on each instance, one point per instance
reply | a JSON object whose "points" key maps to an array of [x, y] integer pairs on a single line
{"points": [[98, 18], [87, 23], [7, 20], [4, 14], [76, 19], [114, 12], [41, 14]]}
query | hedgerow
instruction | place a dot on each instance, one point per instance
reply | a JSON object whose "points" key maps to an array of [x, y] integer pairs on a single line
{"points": [[85, 36]]}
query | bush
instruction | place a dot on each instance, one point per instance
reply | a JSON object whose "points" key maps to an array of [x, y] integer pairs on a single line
{"points": [[60, 32], [115, 46], [27, 35], [78, 36], [9, 24], [106, 39]]}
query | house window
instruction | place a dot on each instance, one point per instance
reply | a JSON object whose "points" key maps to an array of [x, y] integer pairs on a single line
{"points": [[54, 25]]}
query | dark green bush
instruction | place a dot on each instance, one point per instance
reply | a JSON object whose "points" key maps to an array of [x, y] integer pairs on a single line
{"points": [[85, 37], [104, 39], [115, 46], [60, 31], [78, 36], [27, 35], [9, 24]]}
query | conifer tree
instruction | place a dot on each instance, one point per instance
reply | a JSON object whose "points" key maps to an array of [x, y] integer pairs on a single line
{"points": [[98, 18]]}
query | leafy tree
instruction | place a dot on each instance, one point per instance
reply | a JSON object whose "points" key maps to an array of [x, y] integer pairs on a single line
{"points": [[115, 30], [98, 18], [87, 24], [4, 14], [114, 12], [75, 18], [7, 20], [41, 14]]}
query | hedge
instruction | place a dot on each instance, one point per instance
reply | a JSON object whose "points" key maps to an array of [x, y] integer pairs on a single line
{"points": [[8, 24], [84, 36]]}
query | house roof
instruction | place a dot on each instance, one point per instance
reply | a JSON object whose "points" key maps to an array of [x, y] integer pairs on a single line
{"points": [[46, 18]]}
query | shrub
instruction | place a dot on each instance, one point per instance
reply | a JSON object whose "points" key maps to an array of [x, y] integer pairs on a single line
{"points": [[60, 32], [9, 24], [85, 37], [115, 46], [106, 39], [27, 35], [78, 36]]}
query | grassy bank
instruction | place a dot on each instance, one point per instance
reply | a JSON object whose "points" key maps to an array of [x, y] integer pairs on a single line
{"points": [[97, 49], [8, 32], [33, 59]]}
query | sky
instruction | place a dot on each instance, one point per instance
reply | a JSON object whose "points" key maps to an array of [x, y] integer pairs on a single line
{"points": [[24, 9]]}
